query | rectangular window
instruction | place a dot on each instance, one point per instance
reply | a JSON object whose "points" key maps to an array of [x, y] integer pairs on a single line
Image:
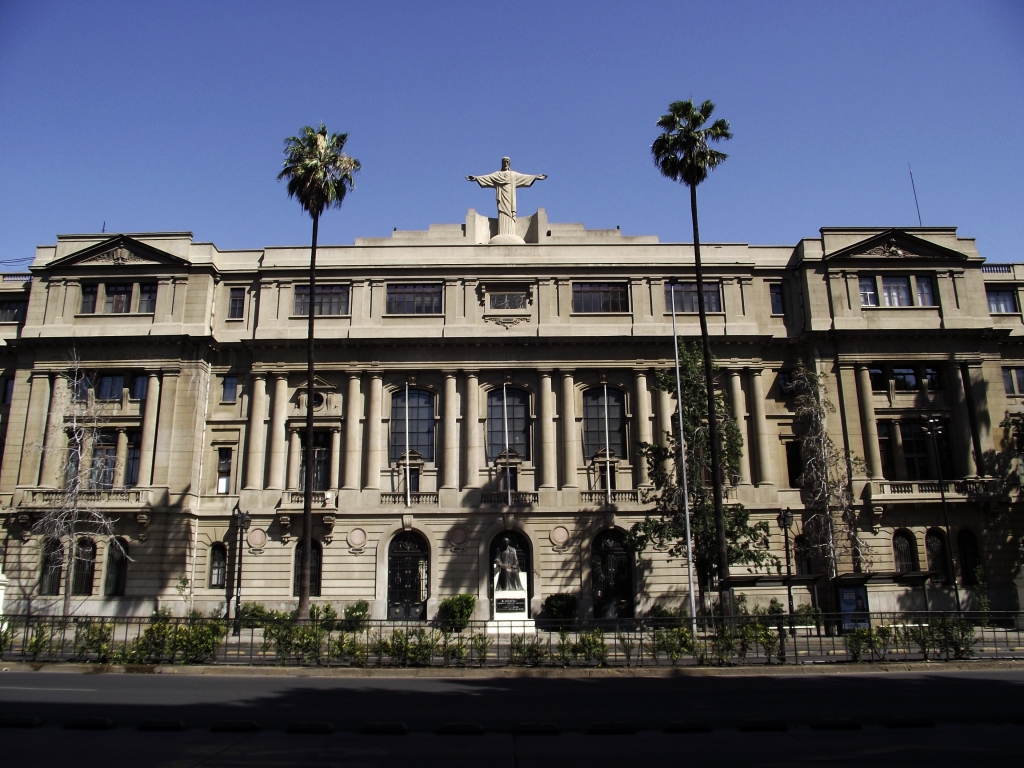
{"points": [[223, 470], [596, 429], [775, 292], [784, 381], [933, 378], [110, 387], [230, 389], [925, 294], [511, 414], [508, 479], [685, 295], [81, 388], [236, 303], [600, 297], [131, 460], [868, 291], [321, 461], [879, 382], [896, 292], [89, 293], [904, 379], [421, 424], [508, 300], [1001, 302], [104, 456], [147, 299], [8, 391], [140, 386], [12, 311], [885, 450], [1013, 381], [119, 299], [915, 450], [327, 300], [794, 464], [414, 299]]}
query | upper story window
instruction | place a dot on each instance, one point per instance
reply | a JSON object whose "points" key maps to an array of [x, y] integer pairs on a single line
{"points": [[414, 299], [218, 565], [508, 413], [925, 291], [904, 379], [229, 392], [8, 391], [778, 302], [321, 461], [604, 422], [119, 298], [784, 382], [224, 470], [110, 387], [89, 294], [879, 381], [933, 378], [1013, 381], [685, 297], [904, 552], [236, 303], [1001, 301], [147, 299], [327, 300], [132, 458], [868, 292], [896, 292], [600, 297], [418, 413], [140, 386], [12, 311], [104, 456]]}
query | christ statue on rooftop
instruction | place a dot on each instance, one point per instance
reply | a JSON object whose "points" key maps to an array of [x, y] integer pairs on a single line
{"points": [[505, 182]]}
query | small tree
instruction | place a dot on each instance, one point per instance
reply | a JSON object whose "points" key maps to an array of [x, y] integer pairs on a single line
{"points": [[74, 511], [832, 527], [747, 544]]}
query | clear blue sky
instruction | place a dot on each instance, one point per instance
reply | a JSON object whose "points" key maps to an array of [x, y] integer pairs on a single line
{"points": [[171, 116]]}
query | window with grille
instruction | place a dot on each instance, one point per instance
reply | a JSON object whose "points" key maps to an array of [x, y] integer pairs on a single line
{"points": [[89, 294], [685, 297], [117, 568], [327, 300], [775, 294], [110, 387], [594, 421], [224, 470], [104, 457], [53, 568], [600, 297], [517, 417], [414, 299], [131, 459], [421, 424], [896, 292], [12, 311], [315, 569], [85, 567], [321, 461], [147, 299], [1001, 302], [218, 566], [903, 552], [935, 546], [119, 299], [236, 303], [802, 556]]}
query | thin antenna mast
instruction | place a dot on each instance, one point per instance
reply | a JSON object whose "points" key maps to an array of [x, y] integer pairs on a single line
{"points": [[914, 187]]}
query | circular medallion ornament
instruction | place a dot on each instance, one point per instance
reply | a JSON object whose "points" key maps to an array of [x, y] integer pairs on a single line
{"points": [[257, 538], [458, 536], [560, 536], [356, 538]]}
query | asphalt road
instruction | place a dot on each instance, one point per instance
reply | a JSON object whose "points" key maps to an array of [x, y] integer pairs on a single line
{"points": [[934, 719]]}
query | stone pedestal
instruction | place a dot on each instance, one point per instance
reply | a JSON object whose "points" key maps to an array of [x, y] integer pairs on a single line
{"points": [[511, 612]]}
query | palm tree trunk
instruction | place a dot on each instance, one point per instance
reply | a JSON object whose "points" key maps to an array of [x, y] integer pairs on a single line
{"points": [[307, 491], [716, 451]]}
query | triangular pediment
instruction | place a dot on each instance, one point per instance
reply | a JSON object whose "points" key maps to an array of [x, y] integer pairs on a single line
{"points": [[895, 245], [119, 251], [318, 383]]}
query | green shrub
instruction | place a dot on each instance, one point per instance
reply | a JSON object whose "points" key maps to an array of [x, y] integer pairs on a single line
{"points": [[659, 611], [857, 641], [481, 646], [94, 638], [562, 608], [453, 648], [955, 636], [590, 645], [454, 612], [524, 651], [350, 648], [356, 616]]}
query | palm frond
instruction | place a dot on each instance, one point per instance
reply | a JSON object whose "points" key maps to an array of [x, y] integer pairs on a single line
{"points": [[318, 171], [682, 152]]}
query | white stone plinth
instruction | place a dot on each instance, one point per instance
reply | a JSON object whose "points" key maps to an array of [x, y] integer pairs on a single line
{"points": [[505, 628]]}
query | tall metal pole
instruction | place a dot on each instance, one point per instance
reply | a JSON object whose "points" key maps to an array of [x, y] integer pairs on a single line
{"points": [[408, 493], [932, 429], [682, 464], [504, 426], [607, 453], [242, 520]]}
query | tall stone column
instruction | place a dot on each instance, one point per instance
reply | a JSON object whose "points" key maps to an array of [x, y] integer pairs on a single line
{"points": [[472, 430], [961, 438], [899, 457], [450, 469], [548, 445], [120, 456], [643, 425], [278, 445], [353, 431], [739, 413], [764, 461], [569, 431], [148, 438], [294, 459], [868, 423], [35, 425], [666, 426], [53, 455], [373, 431], [256, 460], [335, 456]]}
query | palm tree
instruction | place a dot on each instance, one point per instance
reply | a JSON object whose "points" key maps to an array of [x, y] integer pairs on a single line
{"points": [[682, 153], [319, 175]]}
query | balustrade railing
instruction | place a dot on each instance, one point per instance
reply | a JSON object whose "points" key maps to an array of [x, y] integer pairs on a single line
{"points": [[415, 499], [935, 488], [617, 497], [519, 498]]}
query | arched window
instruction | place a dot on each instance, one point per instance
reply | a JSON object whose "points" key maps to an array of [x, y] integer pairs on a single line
{"points": [[599, 413], [970, 559], [935, 546], [903, 550], [408, 577], [802, 556], [218, 566], [53, 567], [117, 568], [316, 568], [511, 407], [85, 567], [421, 424]]}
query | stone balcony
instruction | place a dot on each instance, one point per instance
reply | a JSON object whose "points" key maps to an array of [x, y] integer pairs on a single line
{"points": [[932, 490], [111, 497], [603, 498]]}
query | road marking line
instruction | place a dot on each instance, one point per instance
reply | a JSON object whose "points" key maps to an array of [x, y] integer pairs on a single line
{"points": [[20, 688]]}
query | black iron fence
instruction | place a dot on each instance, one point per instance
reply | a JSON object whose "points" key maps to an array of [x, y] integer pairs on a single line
{"points": [[730, 640]]}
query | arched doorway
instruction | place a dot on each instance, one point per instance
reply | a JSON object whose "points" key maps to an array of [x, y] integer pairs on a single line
{"points": [[408, 577], [611, 573], [521, 545]]}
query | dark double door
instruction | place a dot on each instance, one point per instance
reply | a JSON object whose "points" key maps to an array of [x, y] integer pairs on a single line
{"points": [[408, 577], [612, 576]]}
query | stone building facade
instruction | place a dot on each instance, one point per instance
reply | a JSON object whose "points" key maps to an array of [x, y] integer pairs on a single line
{"points": [[469, 392]]}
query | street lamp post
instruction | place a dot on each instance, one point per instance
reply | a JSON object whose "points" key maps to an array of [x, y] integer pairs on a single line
{"points": [[785, 520], [933, 428], [242, 520]]}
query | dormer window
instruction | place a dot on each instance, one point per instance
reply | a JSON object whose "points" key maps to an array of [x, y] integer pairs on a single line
{"points": [[896, 292]]}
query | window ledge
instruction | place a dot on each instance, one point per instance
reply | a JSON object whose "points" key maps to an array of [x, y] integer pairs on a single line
{"points": [[909, 306], [302, 317], [419, 314], [600, 314], [240, 319], [114, 314], [697, 314]]}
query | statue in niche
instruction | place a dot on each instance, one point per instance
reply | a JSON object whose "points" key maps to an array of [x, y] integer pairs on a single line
{"points": [[506, 567], [505, 182]]}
